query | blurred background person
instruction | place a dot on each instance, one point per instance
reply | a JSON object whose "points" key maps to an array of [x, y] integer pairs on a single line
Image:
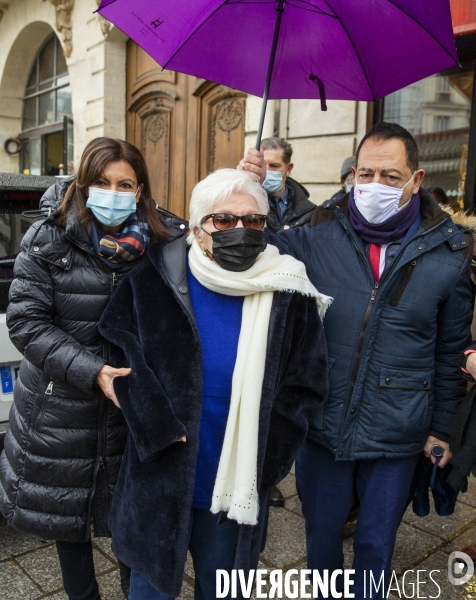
{"points": [[440, 196], [346, 181], [289, 204]]}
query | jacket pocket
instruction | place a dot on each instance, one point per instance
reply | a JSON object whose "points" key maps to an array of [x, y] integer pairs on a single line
{"points": [[407, 274], [44, 404], [318, 419], [402, 412]]}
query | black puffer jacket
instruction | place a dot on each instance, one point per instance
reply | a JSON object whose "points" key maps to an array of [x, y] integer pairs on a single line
{"points": [[298, 212], [65, 441]]}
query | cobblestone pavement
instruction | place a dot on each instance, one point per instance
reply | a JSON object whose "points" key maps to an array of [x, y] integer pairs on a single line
{"points": [[29, 568]]}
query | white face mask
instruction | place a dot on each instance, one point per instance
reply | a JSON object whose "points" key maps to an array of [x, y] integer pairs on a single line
{"points": [[378, 202]]}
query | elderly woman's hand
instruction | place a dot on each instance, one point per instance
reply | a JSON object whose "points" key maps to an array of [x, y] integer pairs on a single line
{"points": [[105, 381], [253, 162]]}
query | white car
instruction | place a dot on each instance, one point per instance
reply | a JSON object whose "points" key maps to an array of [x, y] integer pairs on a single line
{"points": [[19, 204]]}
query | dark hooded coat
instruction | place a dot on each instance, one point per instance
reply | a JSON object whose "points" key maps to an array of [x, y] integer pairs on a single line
{"points": [[65, 439], [150, 321]]}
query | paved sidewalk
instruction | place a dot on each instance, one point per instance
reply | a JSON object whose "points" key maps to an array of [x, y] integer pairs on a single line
{"points": [[29, 568]]}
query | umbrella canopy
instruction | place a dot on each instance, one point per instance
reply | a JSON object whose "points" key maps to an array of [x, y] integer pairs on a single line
{"points": [[347, 49]]}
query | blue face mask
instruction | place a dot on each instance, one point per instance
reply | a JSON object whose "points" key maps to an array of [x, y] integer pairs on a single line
{"points": [[109, 207], [348, 188], [273, 182]]}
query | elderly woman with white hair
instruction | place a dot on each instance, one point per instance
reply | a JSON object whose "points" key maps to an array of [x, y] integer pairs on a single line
{"points": [[226, 345]]}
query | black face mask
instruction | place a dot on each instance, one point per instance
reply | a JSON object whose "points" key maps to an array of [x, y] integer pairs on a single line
{"points": [[237, 249]]}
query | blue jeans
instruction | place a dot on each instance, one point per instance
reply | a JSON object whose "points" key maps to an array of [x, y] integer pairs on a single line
{"points": [[326, 489], [212, 546]]}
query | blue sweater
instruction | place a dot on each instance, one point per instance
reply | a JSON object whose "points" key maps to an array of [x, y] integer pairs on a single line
{"points": [[218, 319]]}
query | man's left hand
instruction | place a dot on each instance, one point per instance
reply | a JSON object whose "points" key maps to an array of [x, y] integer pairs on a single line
{"points": [[253, 162], [430, 442]]}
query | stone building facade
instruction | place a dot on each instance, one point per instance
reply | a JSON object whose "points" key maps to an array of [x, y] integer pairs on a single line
{"points": [[97, 62], [104, 85], [95, 55]]}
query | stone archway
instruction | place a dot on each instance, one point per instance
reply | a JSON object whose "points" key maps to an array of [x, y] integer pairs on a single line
{"points": [[13, 82]]}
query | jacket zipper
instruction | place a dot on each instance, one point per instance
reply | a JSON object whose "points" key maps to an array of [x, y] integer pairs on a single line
{"points": [[371, 302], [360, 343], [46, 395]]}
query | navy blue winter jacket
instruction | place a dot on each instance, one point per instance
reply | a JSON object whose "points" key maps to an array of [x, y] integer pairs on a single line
{"points": [[393, 346]]}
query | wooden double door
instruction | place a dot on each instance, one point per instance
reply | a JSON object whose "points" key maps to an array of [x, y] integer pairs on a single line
{"points": [[186, 127]]}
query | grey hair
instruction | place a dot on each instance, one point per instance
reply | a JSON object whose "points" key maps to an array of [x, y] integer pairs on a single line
{"points": [[218, 187]]}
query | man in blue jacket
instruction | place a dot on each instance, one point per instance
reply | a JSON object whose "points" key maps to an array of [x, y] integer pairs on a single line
{"points": [[399, 271]]}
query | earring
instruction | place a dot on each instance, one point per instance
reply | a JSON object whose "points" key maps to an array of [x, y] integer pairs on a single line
{"points": [[204, 252]]}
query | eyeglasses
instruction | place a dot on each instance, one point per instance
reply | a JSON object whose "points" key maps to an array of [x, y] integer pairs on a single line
{"points": [[223, 221]]}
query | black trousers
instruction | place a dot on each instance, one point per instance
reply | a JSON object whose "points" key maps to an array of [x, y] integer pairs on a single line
{"points": [[77, 569]]}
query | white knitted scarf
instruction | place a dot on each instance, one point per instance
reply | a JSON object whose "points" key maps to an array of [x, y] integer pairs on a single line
{"points": [[235, 489]]}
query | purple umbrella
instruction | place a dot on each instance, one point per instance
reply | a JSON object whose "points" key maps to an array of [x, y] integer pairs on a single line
{"points": [[335, 49]]}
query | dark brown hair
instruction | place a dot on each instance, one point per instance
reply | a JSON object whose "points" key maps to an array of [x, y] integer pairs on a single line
{"points": [[389, 131], [275, 143], [97, 154]]}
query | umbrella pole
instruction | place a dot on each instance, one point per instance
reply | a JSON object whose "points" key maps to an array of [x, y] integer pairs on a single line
{"points": [[274, 45]]}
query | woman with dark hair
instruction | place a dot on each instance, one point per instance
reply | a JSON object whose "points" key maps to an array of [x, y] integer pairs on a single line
{"points": [[66, 437]]}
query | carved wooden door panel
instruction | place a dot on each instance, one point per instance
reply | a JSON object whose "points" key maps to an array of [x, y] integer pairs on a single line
{"points": [[184, 126], [156, 120]]}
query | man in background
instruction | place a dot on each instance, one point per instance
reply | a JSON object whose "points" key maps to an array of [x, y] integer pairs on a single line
{"points": [[346, 181], [289, 204]]}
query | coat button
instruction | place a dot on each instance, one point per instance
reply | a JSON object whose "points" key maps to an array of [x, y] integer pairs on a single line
{"points": [[341, 454], [420, 247], [286, 227], [425, 384], [341, 405], [182, 226], [352, 412], [183, 289], [388, 381], [450, 231], [65, 260], [454, 245], [36, 248]]}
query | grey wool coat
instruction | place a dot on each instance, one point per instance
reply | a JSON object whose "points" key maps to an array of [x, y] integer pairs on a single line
{"points": [[151, 325]]}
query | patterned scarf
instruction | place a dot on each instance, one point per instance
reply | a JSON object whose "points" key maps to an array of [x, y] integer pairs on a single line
{"points": [[117, 249]]}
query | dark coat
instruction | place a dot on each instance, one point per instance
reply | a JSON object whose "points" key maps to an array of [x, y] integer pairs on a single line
{"points": [[299, 210], [463, 438], [65, 441], [151, 319], [393, 346]]}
